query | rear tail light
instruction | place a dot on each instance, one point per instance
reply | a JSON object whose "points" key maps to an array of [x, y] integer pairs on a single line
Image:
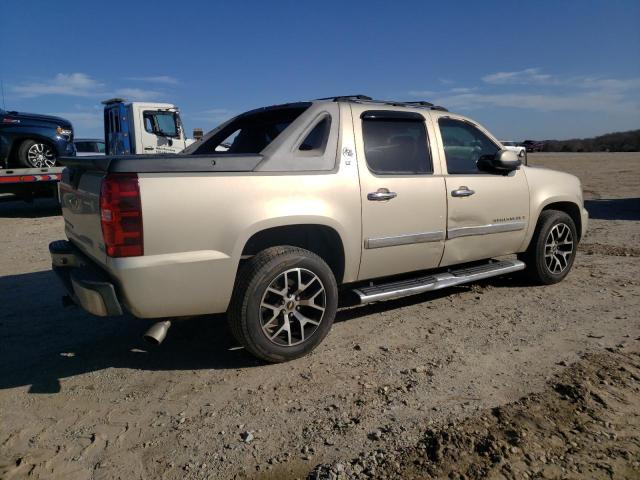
{"points": [[121, 215]]}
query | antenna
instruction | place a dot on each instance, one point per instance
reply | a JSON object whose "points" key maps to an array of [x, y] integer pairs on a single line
{"points": [[4, 105]]}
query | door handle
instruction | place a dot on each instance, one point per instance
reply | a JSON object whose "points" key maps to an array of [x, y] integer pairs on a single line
{"points": [[148, 148], [462, 192], [381, 195]]}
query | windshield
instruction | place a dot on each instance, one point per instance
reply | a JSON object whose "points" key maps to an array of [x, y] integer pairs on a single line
{"points": [[251, 132]]}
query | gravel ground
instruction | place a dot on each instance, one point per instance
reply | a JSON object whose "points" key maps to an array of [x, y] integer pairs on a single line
{"points": [[82, 397]]}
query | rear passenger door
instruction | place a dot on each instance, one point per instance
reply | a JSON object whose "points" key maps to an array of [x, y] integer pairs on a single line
{"points": [[403, 195], [488, 213]]}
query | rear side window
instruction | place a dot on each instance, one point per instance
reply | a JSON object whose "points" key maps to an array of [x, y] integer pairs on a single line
{"points": [[396, 146], [464, 145], [316, 141]]}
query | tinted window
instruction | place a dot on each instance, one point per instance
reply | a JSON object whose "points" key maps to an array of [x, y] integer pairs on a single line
{"points": [[85, 147], [317, 138], [464, 145], [396, 146], [250, 133], [100, 146]]}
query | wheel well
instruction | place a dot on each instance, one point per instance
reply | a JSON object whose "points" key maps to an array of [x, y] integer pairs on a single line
{"points": [[570, 209], [322, 240]]}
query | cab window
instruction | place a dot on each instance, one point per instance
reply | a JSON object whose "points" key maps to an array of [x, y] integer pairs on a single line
{"points": [[464, 145], [395, 145]]}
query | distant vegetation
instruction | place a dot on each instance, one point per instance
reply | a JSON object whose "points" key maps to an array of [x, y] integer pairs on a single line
{"points": [[611, 142]]}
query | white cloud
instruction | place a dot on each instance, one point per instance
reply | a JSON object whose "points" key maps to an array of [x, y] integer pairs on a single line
{"points": [[582, 101], [534, 90], [133, 94], [83, 85], [163, 79], [73, 84], [422, 93], [528, 76], [213, 116]]}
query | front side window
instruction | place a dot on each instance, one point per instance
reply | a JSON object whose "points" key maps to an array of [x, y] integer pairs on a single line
{"points": [[464, 145], [161, 123], [396, 146]]}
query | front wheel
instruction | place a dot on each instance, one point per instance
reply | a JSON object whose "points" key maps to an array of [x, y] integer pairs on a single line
{"points": [[35, 154], [284, 303], [553, 248]]}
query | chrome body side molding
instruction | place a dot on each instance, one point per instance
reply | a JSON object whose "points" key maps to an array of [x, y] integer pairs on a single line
{"points": [[406, 239], [486, 229]]}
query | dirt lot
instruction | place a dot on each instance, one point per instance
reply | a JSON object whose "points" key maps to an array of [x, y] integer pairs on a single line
{"points": [[386, 394]]}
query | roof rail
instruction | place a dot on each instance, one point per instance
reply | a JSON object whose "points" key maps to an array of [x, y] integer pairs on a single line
{"points": [[346, 97], [419, 103], [366, 99]]}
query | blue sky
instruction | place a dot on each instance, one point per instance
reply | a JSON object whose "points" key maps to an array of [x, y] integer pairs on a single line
{"points": [[538, 70]]}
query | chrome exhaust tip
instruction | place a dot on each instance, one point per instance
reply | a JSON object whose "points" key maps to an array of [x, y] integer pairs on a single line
{"points": [[157, 333]]}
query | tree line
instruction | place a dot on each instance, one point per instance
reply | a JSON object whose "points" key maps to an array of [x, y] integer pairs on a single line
{"points": [[610, 142]]}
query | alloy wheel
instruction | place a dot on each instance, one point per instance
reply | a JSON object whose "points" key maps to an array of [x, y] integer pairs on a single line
{"points": [[558, 248], [292, 307], [41, 156]]}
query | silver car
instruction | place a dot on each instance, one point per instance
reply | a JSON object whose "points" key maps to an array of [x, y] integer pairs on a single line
{"points": [[89, 146]]}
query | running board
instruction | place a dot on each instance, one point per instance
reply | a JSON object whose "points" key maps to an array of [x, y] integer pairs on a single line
{"points": [[413, 286]]}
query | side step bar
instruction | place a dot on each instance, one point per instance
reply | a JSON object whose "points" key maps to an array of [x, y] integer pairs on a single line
{"points": [[413, 286]]}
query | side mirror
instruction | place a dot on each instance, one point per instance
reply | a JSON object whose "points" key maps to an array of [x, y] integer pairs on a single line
{"points": [[504, 161]]}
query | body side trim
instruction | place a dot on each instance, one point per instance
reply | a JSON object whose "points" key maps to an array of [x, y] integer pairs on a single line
{"points": [[406, 239], [486, 229]]}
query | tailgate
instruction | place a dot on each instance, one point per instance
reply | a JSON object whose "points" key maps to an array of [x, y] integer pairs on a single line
{"points": [[80, 200]]}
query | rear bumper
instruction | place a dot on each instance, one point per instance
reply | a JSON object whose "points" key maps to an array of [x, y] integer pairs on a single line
{"points": [[87, 285]]}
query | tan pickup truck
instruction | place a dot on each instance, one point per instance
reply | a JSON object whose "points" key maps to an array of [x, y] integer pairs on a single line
{"points": [[375, 199]]}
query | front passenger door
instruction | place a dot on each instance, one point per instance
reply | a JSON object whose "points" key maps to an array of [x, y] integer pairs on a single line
{"points": [[488, 213]]}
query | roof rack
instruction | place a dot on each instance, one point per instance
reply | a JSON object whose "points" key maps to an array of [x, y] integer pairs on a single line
{"points": [[346, 97], [395, 103]]}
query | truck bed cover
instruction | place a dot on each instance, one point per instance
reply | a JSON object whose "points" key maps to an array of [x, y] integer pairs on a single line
{"points": [[164, 163]]}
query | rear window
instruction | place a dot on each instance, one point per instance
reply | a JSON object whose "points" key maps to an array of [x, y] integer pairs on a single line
{"points": [[251, 132]]}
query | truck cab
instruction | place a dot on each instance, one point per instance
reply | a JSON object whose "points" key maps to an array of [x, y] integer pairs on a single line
{"points": [[142, 128]]}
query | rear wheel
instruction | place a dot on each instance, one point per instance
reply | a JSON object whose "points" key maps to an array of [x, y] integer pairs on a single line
{"points": [[36, 154], [284, 303], [553, 247]]}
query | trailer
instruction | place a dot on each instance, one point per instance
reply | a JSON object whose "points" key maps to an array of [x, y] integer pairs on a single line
{"points": [[29, 183]]}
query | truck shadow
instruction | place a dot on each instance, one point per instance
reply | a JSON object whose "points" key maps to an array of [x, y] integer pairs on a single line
{"points": [[41, 342], [614, 209], [11, 207]]}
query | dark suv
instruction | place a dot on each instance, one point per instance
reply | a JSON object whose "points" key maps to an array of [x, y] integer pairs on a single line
{"points": [[33, 141]]}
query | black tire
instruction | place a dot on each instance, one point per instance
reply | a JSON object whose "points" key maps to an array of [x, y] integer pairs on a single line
{"points": [[248, 315], [36, 154], [541, 268]]}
